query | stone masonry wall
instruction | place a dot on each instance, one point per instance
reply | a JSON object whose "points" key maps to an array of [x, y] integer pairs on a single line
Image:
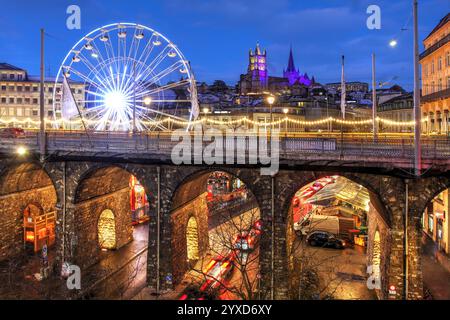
{"points": [[198, 209], [376, 224], [12, 207], [87, 215]]}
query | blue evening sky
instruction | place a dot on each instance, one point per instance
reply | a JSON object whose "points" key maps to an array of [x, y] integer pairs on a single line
{"points": [[215, 35]]}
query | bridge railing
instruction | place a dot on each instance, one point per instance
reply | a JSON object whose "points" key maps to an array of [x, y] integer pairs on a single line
{"points": [[296, 146]]}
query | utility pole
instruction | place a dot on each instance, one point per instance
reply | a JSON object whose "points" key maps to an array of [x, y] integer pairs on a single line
{"points": [[405, 244], [272, 209], [374, 101], [158, 231], [42, 138], [417, 112], [134, 97]]}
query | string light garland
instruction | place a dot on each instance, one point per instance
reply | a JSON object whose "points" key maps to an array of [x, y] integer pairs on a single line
{"points": [[243, 120]]}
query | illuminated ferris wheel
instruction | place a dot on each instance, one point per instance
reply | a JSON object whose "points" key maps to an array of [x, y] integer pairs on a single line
{"points": [[124, 77]]}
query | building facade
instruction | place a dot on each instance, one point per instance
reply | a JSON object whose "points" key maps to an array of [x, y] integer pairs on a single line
{"points": [[435, 61], [436, 222], [20, 97], [398, 109]]}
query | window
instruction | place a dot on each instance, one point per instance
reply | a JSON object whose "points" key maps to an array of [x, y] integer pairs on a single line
{"points": [[439, 66], [19, 88], [11, 100], [11, 88], [35, 101], [27, 89], [447, 59], [50, 101], [440, 85], [27, 112], [35, 89], [19, 100], [50, 89], [50, 113], [27, 100], [432, 67], [35, 113], [4, 100], [11, 76], [20, 77], [11, 111], [3, 88], [448, 82], [19, 112], [4, 76]]}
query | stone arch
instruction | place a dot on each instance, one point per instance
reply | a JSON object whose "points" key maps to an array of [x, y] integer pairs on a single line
{"points": [[289, 183], [425, 191], [106, 230], [96, 188], [22, 184], [185, 186]]}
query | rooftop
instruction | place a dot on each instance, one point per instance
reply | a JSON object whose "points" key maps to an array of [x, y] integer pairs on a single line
{"points": [[7, 66], [441, 23]]}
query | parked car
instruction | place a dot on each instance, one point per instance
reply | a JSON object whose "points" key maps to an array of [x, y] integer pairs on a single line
{"points": [[246, 240], [12, 133], [325, 239]]}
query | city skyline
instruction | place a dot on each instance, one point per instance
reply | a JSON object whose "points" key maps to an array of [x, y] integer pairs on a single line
{"points": [[217, 44]]}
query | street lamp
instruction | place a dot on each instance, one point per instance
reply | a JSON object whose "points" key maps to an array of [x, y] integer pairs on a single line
{"points": [[270, 101], [286, 111], [21, 151], [206, 111], [393, 43]]}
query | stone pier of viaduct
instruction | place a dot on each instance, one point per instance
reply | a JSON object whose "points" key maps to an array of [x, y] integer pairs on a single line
{"points": [[79, 190]]}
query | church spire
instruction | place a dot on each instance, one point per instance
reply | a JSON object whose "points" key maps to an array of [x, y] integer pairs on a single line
{"points": [[291, 65]]}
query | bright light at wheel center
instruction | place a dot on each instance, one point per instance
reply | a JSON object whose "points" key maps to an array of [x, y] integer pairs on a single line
{"points": [[115, 100]]}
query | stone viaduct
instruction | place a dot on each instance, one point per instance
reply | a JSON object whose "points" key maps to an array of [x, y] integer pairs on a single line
{"points": [[79, 188]]}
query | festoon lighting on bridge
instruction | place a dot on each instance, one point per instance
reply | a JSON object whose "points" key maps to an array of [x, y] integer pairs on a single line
{"points": [[226, 122]]}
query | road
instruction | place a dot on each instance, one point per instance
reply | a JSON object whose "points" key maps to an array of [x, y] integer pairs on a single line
{"points": [[342, 273], [120, 274], [436, 279]]}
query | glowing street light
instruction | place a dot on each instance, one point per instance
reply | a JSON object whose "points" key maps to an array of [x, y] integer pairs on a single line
{"points": [[286, 111], [393, 43], [21, 151], [271, 101]]}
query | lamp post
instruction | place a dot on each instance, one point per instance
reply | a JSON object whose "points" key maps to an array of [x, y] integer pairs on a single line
{"points": [[417, 112], [374, 101], [286, 111], [205, 111], [271, 100]]}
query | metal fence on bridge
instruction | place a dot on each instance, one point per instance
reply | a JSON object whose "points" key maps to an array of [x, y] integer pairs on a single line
{"points": [[291, 147]]}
